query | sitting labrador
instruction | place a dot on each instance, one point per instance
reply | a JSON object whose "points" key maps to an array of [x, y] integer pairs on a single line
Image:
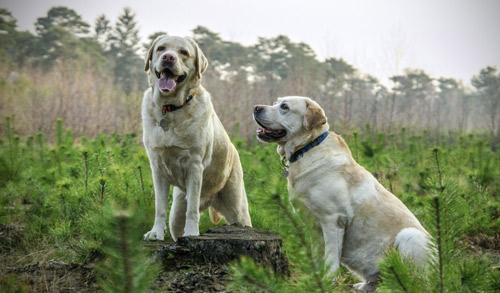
{"points": [[186, 143], [359, 218]]}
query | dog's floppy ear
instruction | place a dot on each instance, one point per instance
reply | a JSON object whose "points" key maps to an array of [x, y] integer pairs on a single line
{"points": [[314, 117], [149, 54], [201, 62]]}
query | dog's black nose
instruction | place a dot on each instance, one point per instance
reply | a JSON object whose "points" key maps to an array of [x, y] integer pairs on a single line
{"points": [[257, 109]]}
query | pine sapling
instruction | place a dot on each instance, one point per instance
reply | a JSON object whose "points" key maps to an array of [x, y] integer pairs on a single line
{"points": [[399, 273], [86, 160], [59, 132], [101, 169], [398, 279], [439, 243], [438, 221], [102, 184], [302, 236], [40, 140], [355, 134], [127, 268], [142, 182]]}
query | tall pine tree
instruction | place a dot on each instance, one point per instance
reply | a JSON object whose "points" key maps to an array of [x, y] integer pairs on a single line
{"points": [[102, 29], [59, 35], [124, 41], [487, 83]]}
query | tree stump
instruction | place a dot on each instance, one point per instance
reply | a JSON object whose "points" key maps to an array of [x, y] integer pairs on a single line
{"points": [[223, 244]]}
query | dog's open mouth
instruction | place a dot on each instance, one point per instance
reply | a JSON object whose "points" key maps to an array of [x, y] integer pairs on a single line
{"points": [[167, 80], [268, 134]]}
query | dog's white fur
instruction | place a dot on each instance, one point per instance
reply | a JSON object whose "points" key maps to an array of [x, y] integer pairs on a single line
{"points": [[193, 153], [359, 218]]}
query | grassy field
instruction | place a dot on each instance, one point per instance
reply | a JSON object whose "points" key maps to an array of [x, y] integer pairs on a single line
{"points": [[60, 200]]}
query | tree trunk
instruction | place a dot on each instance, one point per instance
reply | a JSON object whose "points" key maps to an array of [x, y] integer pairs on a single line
{"points": [[223, 244]]}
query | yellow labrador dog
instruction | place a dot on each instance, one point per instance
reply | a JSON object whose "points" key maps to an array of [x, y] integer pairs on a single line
{"points": [[359, 218], [186, 143]]}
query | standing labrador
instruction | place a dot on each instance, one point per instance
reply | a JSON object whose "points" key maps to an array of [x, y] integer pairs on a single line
{"points": [[359, 218], [186, 143]]}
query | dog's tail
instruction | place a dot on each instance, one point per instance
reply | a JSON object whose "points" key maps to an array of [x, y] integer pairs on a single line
{"points": [[415, 244], [215, 217]]}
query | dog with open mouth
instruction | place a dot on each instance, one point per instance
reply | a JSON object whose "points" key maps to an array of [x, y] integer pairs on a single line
{"points": [[359, 218], [186, 143]]}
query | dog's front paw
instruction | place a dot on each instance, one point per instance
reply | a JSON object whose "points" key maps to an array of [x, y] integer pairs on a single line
{"points": [[157, 233], [191, 229]]}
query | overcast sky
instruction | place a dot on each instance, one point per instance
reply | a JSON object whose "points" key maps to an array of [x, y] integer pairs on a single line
{"points": [[450, 38]]}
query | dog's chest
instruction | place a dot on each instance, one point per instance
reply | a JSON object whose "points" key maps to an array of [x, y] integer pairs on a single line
{"points": [[173, 163], [163, 137], [299, 183], [174, 149], [316, 185], [171, 135]]}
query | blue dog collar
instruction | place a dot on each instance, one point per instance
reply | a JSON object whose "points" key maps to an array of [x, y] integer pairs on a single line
{"points": [[298, 154]]}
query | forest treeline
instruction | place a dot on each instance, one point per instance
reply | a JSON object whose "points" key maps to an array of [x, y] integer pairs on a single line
{"points": [[92, 76]]}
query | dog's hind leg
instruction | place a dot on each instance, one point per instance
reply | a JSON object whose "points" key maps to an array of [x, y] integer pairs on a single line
{"points": [[231, 201], [215, 217], [177, 218]]}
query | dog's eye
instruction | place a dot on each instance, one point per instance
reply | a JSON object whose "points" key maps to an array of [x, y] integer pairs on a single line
{"points": [[284, 106], [184, 52], [160, 48]]}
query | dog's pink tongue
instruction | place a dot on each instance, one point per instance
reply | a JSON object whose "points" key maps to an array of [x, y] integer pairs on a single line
{"points": [[166, 83]]}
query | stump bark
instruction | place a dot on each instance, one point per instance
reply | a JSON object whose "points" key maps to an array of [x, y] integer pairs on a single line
{"points": [[223, 244]]}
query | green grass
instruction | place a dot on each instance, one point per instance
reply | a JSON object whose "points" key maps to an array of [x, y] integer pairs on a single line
{"points": [[60, 196]]}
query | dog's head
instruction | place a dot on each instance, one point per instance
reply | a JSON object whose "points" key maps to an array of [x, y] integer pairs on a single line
{"points": [[290, 119], [172, 63]]}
